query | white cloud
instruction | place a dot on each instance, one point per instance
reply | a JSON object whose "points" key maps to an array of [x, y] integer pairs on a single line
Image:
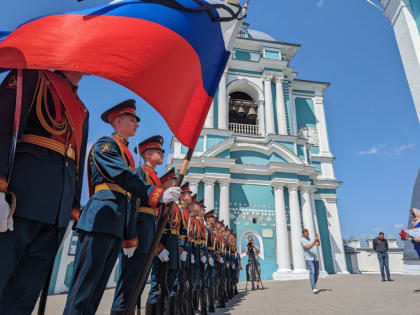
{"points": [[397, 151], [372, 151], [383, 150], [320, 3], [398, 226]]}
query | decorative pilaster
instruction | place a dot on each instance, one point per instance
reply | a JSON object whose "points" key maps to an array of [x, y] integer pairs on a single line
{"points": [[224, 201], [282, 237], [261, 118], [281, 109], [222, 104], [209, 192], [299, 265], [194, 185], [269, 111], [324, 146]]}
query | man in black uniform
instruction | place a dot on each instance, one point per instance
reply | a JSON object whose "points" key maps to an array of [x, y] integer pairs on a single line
{"points": [[45, 181]]}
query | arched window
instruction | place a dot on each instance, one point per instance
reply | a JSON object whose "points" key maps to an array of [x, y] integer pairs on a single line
{"points": [[243, 114]]}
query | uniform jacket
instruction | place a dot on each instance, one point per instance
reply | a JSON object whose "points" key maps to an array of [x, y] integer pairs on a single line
{"points": [[110, 211], [47, 184]]}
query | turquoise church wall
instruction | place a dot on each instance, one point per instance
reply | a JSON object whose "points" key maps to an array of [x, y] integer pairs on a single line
{"points": [[288, 103], [200, 191], [305, 112], [321, 213], [301, 151], [245, 198], [213, 140], [198, 148], [255, 158]]}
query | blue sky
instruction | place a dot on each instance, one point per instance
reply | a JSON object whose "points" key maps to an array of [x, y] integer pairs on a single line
{"points": [[372, 124]]}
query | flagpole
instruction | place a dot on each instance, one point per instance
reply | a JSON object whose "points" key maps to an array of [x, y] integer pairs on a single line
{"points": [[161, 228]]}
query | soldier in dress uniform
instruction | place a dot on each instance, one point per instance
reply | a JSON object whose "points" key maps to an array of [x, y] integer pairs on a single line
{"points": [[203, 260], [232, 265], [237, 258], [220, 265], [184, 300], [107, 222], [212, 257], [195, 236], [227, 263], [40, 178], [147, 213], [164, 279]]}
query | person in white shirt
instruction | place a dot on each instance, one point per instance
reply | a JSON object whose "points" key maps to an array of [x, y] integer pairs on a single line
{"points": [[311, 257]]}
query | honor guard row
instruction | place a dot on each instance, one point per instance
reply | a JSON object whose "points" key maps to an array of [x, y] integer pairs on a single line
{"points": [[196, 265]]}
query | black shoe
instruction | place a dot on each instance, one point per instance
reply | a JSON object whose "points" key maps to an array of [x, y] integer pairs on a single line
{"points": [[390, 280], [383, 280]]}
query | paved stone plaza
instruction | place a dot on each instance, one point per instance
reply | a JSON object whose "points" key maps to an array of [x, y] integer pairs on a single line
{"points": [[349, 294]]}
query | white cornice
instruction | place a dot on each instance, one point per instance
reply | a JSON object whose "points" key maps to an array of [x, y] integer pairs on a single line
{"points": [[327, 183]]}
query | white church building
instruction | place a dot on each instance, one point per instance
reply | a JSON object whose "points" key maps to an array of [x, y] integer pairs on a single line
{"points": [[263, 160]]}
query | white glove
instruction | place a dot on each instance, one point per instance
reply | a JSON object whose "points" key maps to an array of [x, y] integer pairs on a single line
{"points": [[5, 223], [171, 194], [129, 252], [221, 260], [211, 261], [68, 231], [164, 255], [192, 259], [184, 256], [203, 259]]}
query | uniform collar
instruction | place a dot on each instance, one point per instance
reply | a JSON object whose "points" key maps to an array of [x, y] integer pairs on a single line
{"points": [[125, 141]]}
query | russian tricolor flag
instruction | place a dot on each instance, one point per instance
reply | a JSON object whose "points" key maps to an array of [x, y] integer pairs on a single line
{"points": [[172, 58]]}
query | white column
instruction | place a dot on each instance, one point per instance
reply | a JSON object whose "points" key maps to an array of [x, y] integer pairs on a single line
{"points": [[269, 111], [194, 185], [282, 237], [209, 123], [224, 202], [261, 117], [324, 146], [336, 239], [209, 193], [320, 253], [222, 104], [299, 265], [281, 109]]}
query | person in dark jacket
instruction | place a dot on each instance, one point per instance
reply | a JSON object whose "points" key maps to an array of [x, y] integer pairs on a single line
{"points": [[380, 245]]}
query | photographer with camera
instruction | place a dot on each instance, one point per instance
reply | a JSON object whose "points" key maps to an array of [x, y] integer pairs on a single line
{"points": [[253, 267], [311, 257]]}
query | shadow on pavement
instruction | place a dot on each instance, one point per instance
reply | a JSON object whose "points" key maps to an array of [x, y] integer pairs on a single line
{"points": [[237, 299], [324, 290]]}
